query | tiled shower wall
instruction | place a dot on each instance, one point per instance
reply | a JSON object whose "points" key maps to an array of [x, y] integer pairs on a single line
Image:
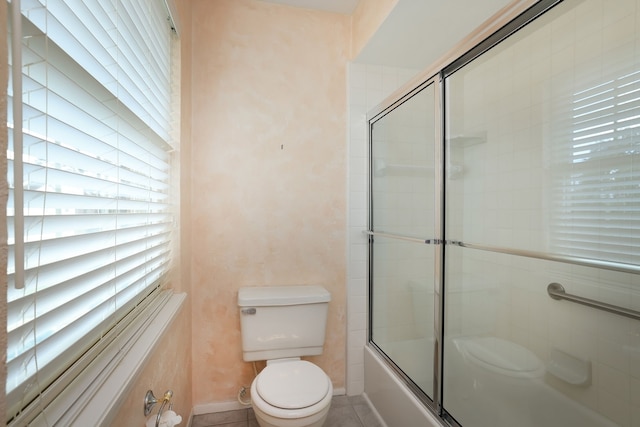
{"points": [[368, 85]]}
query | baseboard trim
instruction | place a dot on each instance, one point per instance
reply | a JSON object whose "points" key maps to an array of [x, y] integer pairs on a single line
{"points": [[234, 405]]}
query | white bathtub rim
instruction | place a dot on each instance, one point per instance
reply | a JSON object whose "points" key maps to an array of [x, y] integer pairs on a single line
{"points": [[428, 419]]}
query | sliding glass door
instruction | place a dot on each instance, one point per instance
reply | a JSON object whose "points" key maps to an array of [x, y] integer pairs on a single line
{"points": [[544, 129], [505, 224], [404, 235]]}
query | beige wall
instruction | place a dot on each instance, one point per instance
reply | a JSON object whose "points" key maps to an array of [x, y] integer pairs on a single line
{"points": [[366, 20], [3, 203], [269, 180], [268, 174]]}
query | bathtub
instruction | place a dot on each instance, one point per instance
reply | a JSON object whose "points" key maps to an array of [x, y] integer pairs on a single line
{"points": [[397, 405], [545, 406]]}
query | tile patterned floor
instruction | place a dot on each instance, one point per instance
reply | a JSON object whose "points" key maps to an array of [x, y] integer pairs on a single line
{"points": [[352, 411]]}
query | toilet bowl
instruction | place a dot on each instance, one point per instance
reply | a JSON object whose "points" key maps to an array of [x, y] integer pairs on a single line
{"points": [[291, 393]]}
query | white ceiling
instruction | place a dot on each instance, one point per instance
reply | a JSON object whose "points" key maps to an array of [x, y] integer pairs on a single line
{"points": [[340, 6], [417, 32]]}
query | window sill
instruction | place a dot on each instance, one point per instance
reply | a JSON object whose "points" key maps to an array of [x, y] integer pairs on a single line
{"points": [[95, 396]]}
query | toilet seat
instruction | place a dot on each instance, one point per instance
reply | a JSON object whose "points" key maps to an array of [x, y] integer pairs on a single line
{"points": [[292, 385]]}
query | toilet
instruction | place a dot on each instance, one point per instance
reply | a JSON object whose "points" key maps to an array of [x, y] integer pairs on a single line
{"points": [[280, 324]]}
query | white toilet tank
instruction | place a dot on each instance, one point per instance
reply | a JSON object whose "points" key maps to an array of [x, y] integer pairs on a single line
{"points": [[282, 321]]}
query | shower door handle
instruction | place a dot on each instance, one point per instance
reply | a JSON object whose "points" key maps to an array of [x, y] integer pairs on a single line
{"points": [[405, 238]]}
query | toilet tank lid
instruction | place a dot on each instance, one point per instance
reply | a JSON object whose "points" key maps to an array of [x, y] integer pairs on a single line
{"points": [[282, 295]]}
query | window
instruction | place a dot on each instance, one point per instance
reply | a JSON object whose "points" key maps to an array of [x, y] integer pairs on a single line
{"points": [[90, 202]]}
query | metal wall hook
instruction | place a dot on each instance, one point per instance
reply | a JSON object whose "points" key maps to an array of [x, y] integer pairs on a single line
{"points": [[149, 402]]}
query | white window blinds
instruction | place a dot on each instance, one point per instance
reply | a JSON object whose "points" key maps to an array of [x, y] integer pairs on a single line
{"points": [[96, 182], [596, 211]]}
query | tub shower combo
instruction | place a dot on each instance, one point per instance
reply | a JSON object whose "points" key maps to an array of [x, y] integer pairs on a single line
{"points": [[504, 229]]}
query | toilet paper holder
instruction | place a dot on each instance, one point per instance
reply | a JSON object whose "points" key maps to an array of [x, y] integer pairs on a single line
{"points": [[150, 401]]}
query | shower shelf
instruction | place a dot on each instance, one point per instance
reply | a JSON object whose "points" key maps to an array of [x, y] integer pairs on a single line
{"points": [[382, 169], [467, 140]]}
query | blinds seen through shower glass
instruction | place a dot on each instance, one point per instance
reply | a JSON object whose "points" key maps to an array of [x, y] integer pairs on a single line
{"points": [[96, 107], [596, 201]]}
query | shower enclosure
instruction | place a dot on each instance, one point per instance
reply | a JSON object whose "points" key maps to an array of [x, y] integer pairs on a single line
{"points": [[504, 229]]}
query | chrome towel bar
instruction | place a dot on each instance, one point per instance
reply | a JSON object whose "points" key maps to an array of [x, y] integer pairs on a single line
{"points": [[586, 262], [557, 292]]}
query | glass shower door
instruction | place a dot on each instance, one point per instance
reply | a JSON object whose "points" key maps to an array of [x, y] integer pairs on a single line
{"points": [[544, 133], [403, 236]]}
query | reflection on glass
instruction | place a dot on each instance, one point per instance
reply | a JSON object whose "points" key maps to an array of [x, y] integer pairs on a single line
{"points": [[403, 307], [402, 281], [543, 149], [403, 145]]}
